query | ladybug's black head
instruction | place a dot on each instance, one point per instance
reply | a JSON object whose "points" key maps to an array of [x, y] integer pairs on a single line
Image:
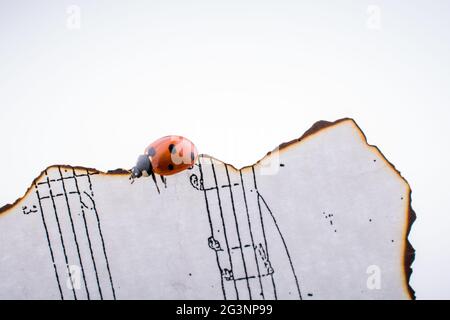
{"points": [[143, 166]]}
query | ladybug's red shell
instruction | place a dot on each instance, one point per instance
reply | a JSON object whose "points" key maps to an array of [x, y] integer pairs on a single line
{"points": [[171, 154]]}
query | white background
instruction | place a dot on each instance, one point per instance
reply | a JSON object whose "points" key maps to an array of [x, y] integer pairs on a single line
{"points": [[237, 78]]}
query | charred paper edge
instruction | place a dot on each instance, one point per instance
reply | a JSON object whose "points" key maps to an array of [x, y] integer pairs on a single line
{"points": [[408, 252]]}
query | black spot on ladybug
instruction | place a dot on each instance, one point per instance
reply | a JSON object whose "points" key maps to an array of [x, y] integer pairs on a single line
{"points": [[172, 148], [170, 167], [192, 156], [151, 152]]}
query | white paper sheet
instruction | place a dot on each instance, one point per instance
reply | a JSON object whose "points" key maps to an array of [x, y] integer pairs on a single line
{"points": [[324, 217]]}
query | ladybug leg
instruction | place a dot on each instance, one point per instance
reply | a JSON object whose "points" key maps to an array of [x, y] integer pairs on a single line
{"points": [[148, 168], [154, 180], [164, 180]]}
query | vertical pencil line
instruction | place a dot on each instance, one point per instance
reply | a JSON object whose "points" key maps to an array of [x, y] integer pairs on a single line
{"points": [[223, 226], [60, 234], [238, 233], [285, 246], [87, 233], [251, 234], [49, 244], [263, 229], [211, 226], [73, 231], [101, 235]]}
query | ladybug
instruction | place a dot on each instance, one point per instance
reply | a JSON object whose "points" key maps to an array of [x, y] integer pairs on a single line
{"points": [[166, 156]]}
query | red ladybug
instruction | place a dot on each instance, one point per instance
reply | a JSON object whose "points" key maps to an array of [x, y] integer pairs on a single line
{"points": [[165, 156]]}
